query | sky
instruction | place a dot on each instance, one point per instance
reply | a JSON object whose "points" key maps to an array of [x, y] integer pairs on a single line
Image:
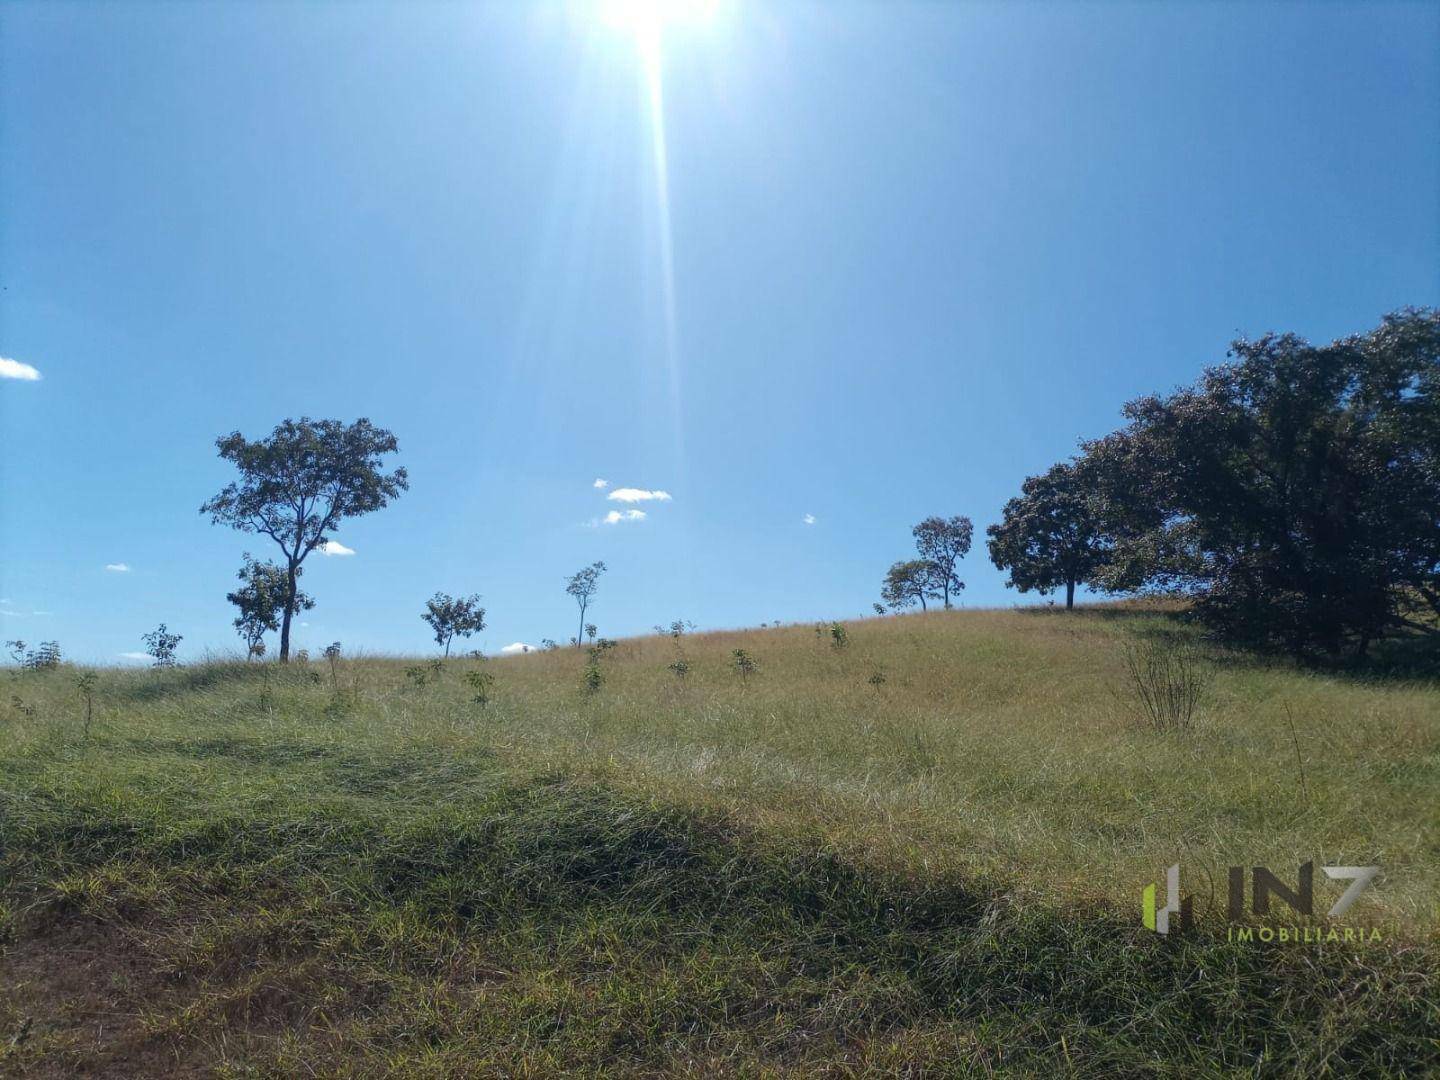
{"points": [[812, 271]]}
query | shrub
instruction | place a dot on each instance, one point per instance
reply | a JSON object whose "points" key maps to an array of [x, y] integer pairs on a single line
{"points": [[1167, 681], [481, 682], [745, 664], [161, 645]]}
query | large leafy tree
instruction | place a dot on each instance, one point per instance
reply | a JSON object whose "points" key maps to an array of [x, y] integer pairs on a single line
{"points": [[910, 582], [943, 542], [260, 601], [1294, 491], [1051, 535], [297, 485], [453, 616]]}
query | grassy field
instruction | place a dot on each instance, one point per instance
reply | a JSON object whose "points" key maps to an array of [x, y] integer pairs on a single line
{"points": [[919, 853]]}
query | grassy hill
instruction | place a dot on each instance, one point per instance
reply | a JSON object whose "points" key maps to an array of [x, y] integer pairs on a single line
{"points": [[921, 851]]}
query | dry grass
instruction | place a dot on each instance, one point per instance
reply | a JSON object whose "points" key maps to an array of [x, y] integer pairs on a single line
{"points": [[231, 816]]}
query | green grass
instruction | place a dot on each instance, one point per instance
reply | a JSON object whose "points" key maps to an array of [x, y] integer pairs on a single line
{"points": [[257, 871]]}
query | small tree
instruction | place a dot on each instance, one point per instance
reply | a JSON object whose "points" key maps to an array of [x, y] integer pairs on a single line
{"points": [[745, 664], [161, 644], [943, 542], [261, 601], [1051, 534], [85, 683], [908, 583], [298, 485], [582, 586], [590, 631], [452, 617]]}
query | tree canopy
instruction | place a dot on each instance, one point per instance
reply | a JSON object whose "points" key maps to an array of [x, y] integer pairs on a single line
{"points": [[910, 582], [1051, 535], [297, 485], [943, 542], [451, 617], [1294, 492]]}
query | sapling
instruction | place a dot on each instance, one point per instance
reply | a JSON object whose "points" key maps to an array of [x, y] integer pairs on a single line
{"points": [[744, 663], [85, 683]]}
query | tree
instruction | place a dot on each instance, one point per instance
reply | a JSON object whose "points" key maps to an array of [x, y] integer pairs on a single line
{"points": [[943, 542], [907, 583], [453, 617], [161, 645], [298, 485], [1051, 534], [260, 601], [1294, 492], [582, 586]]}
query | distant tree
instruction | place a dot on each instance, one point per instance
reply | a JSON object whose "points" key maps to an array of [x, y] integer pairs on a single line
{"points": [[297, 485], [1293, 492], [582, 585], [161, 645], [261, 601], [591, 630], [943, 542], [452, 617], [910, 582], [879, 608], [1052, 534]]}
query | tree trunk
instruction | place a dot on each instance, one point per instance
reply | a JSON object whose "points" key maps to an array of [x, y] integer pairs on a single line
{"points": [[289, 612], [1070, 595], [580, 637], [447, 648], [922, 603]]}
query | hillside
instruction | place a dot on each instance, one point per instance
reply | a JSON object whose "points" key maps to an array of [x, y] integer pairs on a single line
{"points": [[918, 848]]}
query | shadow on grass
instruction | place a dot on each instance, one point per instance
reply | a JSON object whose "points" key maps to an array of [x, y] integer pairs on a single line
{"points": [[762, 920]]}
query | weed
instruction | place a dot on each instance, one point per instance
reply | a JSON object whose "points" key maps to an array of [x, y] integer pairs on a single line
{"points": [[1167, 681]]}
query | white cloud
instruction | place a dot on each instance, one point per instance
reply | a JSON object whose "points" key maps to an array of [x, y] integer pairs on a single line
{"points": [[42, 613], [14, 369], [334, 547], [600, 483], [136, 656], [808, 519], [516, 647], [118, 567], [614, 517], [634, 495]]}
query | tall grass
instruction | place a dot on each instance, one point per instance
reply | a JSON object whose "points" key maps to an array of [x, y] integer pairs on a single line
{"points": [[800, 870]]}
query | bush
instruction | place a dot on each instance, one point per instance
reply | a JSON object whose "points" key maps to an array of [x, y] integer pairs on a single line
{"points": [[1167, 681]]}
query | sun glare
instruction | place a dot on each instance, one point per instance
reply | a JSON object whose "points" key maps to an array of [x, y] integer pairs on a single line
{"points": [[649, 17]]}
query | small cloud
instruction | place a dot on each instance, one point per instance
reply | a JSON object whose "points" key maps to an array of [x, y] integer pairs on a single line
{"points": [[517, 647], [118, 567], [14, 369], [634, 495], [334, 547], [614, 517], [808, 519], [600, 483], [135, 656], [42, 613]]}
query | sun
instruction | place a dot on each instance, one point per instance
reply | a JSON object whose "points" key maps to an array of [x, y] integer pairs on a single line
{"points": [[646, 19]]}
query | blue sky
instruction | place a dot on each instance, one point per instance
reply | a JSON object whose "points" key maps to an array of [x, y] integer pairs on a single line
{"points": [[878, 262]]}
